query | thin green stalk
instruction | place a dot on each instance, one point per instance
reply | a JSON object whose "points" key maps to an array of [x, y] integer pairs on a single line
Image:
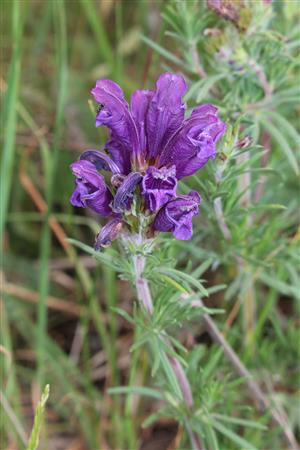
{"points": [[119, 35], [49, 172], [38, 420], [133, 371], [111, 296], [9, 126], [8, 369], [262, 318], [13, 418], [10, 113], [94, 18]]}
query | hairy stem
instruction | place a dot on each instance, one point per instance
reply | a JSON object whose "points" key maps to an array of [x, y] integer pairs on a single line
{"points": [[144, 296]]}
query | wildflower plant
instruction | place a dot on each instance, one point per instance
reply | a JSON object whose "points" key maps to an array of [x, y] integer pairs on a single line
{"points": [[139, 183], [151, 147], [190, 190]]}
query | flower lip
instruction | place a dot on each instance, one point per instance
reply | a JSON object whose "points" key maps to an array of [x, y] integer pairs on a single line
{"points": [[176, 215], [86, 172], [159, 186], [91, 190]]}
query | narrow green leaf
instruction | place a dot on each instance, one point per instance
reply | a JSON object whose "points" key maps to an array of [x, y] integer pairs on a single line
{"points": [[242, 443], [138, 390], [10, 117], [94, 18], [182, 276], [124, 314], [38, 420], [207, 84], [104, 258], [151, 419], [162, 51], [166, 365], [238, 421], [283, 143], [285, 126]]}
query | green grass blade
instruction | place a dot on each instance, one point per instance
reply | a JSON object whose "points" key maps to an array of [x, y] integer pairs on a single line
{"points": [[240, 442], [94, 18], [139, 390], [162, 51], [49, 172], [38, 420], [10, 118], [283, 143]]}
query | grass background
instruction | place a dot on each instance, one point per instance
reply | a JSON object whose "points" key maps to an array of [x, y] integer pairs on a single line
{"points": [[57, 325]]}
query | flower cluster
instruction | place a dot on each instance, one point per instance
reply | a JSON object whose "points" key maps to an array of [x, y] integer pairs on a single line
{"points": [[151, 147]]}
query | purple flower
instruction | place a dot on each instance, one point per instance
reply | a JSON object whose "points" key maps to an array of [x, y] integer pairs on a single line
{"points": [[176, 216], [155, 133], [91, 190], [151, 146], [159, 186], [194, 143]]}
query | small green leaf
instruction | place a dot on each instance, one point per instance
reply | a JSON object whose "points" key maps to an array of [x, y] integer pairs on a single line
{"points": [[104, 258], [123, 313], [182, 276]]}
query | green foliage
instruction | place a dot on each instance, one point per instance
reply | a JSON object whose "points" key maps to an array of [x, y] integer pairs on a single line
{"points": [[38, 420]]}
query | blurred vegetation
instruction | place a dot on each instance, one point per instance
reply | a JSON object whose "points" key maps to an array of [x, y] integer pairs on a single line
{"points": [[58, 322]]}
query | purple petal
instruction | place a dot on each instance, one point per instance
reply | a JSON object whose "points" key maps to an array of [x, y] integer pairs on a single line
{"points": [[119, 155], [191, 147], [108, 233], [159, 186], [204, 109], [100, 160], [177, 215], [100, 202], [124, 195], [166, 111], [80, 190], [114, 114], [140, 101], [91, 190], [86, 172]]}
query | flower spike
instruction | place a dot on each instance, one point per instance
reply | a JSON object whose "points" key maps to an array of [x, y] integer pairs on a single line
{"points": [[153, 146]]}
